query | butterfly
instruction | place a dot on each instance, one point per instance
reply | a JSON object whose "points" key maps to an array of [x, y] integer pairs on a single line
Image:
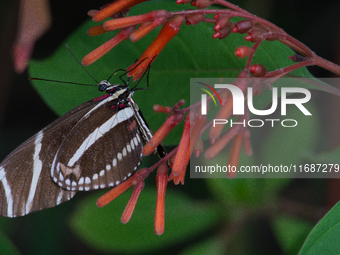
{"points": [[96, 145]]}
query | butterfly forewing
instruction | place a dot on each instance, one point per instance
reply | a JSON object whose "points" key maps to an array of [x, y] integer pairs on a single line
{"points": [[25, 175], [102, 150], [96, 145]]}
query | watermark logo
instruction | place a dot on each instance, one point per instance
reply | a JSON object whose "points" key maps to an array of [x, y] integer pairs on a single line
{"points": [[240, 101], [204, 98]]}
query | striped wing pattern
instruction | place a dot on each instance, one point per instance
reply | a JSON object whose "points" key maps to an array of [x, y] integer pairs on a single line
{"points": [[107, 155], [95, 145]]}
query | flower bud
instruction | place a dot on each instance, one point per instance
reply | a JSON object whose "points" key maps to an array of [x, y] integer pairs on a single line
{"points": [[201, 3], [258, 70], [242, 51], [194, 18], [243, 26]]}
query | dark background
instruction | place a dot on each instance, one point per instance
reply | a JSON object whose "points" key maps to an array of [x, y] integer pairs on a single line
{"points": [[22, 112]]}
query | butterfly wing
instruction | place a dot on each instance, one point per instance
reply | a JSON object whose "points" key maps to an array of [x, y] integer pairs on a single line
{"points": [[25, 175], [102, 150]]}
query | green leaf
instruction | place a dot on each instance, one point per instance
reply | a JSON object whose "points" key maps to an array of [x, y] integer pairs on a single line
{"points": [[247, 192], [324, 238], [209, 247], [290, 232], [332, 157], [254, 192], [6, 246], [192, 53], [286, 145], [102, 229]]}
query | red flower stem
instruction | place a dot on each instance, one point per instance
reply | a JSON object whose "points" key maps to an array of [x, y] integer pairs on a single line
{"points": [[301, 47], [290, 68], [230, 5], [164, 159], [282, 35], [327, 65], [231, 14]]}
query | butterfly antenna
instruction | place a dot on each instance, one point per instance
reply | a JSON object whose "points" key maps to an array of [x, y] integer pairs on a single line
{"points": [[147, 76], [66, 82], [80, 64], [126, 83], [114, 73]]}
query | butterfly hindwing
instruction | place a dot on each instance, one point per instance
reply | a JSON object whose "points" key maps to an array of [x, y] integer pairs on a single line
{"points": [[102, 150], [25, 175], [96, 145]]}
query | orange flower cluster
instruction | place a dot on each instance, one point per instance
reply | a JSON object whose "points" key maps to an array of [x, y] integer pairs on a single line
{"points": [[191, 142], [195, 124], [137, 180], [127, 26], [136, 27]]}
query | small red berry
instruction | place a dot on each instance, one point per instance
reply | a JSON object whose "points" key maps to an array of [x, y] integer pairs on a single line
{"points": [[221, 22], [195, 18], [223, 33], [258, 70], [201, 3], [235, 29], [243, 26], [242, 51], [248, 38]]}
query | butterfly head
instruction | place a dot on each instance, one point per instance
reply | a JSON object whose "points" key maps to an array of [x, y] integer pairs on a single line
{"points": [[108, 87]]}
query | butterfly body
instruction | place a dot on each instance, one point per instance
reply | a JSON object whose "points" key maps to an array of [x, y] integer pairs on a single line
{"points": [[96, 145]]}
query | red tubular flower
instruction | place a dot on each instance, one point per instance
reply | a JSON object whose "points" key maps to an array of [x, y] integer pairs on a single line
{"points": [[114, 193], [199, 123], [246, 144], [178, 105], [130, 207], [121, 188], [180, 178], [198, 147], [96, 30], [181, 160], [107, 46], [171, 121], [224, 113], [147, 28], [234, 155], [168, 31], [114, 7], [213, 150], [91, 13], [161, 181], [160, 108], [120, 23]]}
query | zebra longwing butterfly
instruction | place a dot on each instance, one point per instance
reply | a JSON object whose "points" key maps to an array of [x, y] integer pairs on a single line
{"points": [[96, 145]]}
